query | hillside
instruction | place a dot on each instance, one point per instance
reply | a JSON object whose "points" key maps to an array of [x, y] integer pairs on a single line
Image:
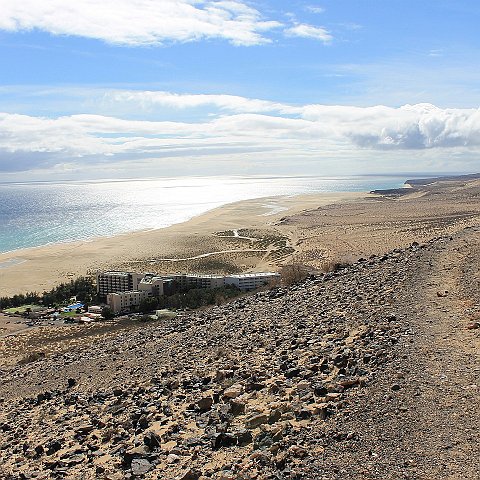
{"points": [[367, 373]]}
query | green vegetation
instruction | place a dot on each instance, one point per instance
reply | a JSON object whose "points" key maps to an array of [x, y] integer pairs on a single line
{"points": [[148, 304], [82, 288], [107, 313], [196, 298], [23, 308], [225, 233], [215, 265]]}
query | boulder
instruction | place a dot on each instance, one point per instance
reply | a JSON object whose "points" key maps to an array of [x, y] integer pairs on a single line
{"points": [[256, 420]]}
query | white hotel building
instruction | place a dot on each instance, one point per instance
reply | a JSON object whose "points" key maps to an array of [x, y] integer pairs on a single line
{"points": [[125, 291]]}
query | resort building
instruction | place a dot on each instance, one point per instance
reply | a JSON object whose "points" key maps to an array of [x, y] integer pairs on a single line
{"points": [[243, 281], [152, 284], [185, 280], [124, 290], [108, 282], [125, 301], [251, 281]]}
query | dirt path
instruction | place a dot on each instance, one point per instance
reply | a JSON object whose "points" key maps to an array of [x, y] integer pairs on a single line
{"points": [[447, 410], [419, 419]]}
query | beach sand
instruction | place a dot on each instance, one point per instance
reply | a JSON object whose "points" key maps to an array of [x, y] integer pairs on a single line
{"points": [[39, 269], [258, 235]]}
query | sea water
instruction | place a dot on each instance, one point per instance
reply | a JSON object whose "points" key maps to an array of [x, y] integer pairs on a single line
{"points": [[36, 214]]}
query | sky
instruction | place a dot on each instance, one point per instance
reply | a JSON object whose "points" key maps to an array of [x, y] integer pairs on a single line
{"points": [[148, 88]]}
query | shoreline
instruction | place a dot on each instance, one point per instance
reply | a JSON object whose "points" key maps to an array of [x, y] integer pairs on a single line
{"points": [[274, 210], [41, 268]]}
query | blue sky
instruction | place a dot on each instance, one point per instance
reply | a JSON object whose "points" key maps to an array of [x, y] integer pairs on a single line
{"points": [[172, 87]]}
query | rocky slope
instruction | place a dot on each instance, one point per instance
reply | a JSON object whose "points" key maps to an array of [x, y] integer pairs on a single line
{"points": [[370, 372]]}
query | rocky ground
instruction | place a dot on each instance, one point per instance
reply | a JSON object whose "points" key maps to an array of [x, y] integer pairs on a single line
{"points": [[371, 372]]}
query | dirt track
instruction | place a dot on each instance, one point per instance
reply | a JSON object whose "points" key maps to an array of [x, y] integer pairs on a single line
{"points": [[429, 428]]}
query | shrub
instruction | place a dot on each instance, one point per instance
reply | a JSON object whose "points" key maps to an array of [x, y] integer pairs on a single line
{"points": [[333, 265], [293, 273], [31, 357]]}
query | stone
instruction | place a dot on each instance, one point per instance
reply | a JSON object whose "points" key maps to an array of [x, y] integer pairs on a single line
{"points": [[320, 390], [140, 466], [298, 451], [225, 476], [256, 420], [84, 429], [395, 387], [152, 440], [189, 474], [274, 416], [220, 440], [244, 437], [39, 450], [263, 440], [303, 414], [134, 452], [71, 382], [53, 447], [349, 383], [319, 410], [205, 403], [237, 407], [473, 326], [76, 459], [292, 372], [143, 422], [234, 391], [333, 396]]}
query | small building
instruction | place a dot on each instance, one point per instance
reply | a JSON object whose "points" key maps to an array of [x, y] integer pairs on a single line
{"points": [[125, 301], [95, 309]]}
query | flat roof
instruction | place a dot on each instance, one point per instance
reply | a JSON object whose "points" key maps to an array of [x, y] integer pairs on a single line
{"points": [[197, 275], [149, 280], [253, 274], [123, 274], [141, 292]]}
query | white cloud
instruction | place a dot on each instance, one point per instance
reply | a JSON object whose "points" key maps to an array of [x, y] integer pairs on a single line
{"points": [[233, 103], [420, 126], [315, 9], [140, 22], [309, 31], [315, 131]]}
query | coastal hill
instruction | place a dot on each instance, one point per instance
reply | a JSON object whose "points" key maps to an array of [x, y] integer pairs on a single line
{"points": [[443, 179], [369, 371]]}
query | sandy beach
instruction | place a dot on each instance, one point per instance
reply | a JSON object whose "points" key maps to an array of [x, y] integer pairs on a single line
{"points": [[39, 269], [255, 235]]}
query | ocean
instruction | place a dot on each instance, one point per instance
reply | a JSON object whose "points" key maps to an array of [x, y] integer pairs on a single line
{"points": [[36, 214]]}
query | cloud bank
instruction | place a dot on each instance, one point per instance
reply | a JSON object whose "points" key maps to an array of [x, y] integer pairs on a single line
{"points": [[256, 129], [151, 22], [140, 22], [148, 99]]}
